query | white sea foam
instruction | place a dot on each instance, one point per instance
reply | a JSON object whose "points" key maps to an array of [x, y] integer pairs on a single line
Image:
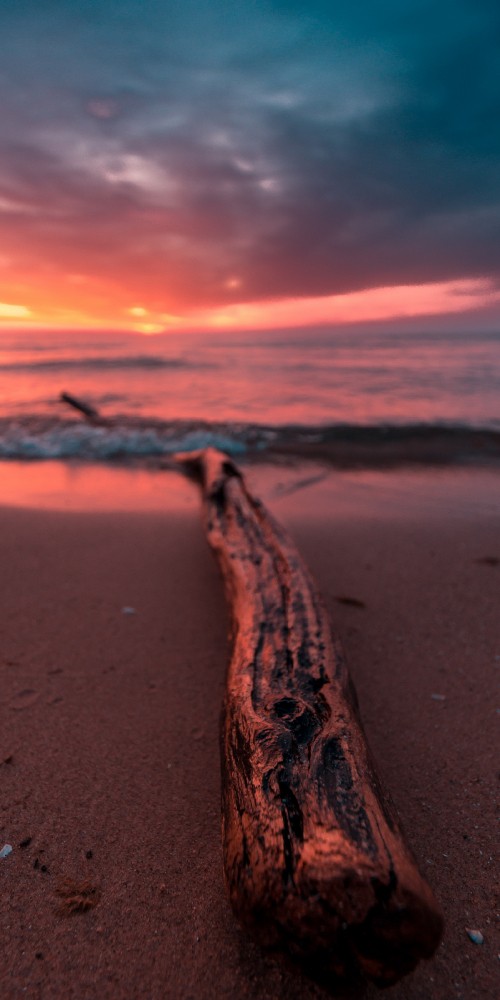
{"points": [[71, 440], [139, 441]]}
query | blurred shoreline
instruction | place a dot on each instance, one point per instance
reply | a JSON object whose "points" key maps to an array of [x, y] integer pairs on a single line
{"points": [[292, 484]]}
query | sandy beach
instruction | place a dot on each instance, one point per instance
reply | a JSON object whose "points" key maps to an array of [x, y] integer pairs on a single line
{"points": [[113, 658]]}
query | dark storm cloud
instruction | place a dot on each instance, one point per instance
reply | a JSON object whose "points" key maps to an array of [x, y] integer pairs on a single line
{"points": [[305, 152]]}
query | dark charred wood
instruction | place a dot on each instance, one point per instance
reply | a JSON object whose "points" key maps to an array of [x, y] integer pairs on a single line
{"points": [[314, 855]]}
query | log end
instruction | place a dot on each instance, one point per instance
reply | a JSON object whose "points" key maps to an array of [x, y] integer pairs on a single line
{"points": [[396, 928], [332, 882], [209, 467]]}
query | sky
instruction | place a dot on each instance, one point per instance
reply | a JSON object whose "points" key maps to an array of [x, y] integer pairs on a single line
{"points": [[178, 164]]}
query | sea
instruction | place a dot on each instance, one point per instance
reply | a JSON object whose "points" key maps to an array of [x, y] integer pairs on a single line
{"points": [[250, 394]]}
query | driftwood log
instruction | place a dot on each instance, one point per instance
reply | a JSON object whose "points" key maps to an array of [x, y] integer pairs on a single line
{"points": [[314, 856]]}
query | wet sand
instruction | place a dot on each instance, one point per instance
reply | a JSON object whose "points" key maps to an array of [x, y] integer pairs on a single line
{"points": [[109, 765]]}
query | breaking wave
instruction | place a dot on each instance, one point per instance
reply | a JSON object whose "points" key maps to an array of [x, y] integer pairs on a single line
{"points": [[141, 441]]}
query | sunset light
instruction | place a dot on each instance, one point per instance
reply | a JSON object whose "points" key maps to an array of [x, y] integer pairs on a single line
{"points": [[249, 297], [92, 309], [11, 312], [258, 183]]}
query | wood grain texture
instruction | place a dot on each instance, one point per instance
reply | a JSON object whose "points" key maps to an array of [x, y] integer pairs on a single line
{"points": [[314, 856]]}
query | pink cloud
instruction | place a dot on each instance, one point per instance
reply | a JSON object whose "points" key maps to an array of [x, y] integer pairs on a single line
{"points": [[403, 301]]}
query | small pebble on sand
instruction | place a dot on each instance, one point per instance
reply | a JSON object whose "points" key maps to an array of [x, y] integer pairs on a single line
{"points": [[475, 936], [438, 697], [6, 850]]}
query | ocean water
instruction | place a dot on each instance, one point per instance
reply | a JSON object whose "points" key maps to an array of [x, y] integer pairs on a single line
{"points": [[242, 392]]}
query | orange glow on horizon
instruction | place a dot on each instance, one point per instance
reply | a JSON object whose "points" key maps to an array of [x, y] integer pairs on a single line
{"points": [[87, 303]]}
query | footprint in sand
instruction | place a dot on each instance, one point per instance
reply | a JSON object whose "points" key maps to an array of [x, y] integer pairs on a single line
{"points": [[24, 699]]}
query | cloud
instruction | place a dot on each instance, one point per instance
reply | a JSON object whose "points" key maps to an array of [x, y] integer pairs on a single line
{"points": [[104, 108], [432, 299], [166, 148]]}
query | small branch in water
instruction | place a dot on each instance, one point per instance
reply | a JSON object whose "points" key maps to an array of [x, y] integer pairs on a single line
{"points": [[89, 412]]}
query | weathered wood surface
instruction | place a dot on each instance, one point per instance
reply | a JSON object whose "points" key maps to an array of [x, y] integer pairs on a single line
{"points": [[314, 856]]}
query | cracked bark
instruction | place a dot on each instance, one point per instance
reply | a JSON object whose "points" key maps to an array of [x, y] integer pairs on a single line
{"points": [[314, 856]]}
